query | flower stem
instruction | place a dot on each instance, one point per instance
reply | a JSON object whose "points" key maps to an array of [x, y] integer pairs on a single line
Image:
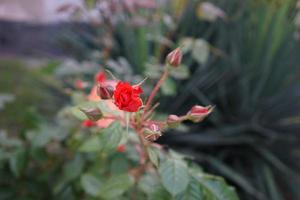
{"points": [[143, 143], [154, 91]]}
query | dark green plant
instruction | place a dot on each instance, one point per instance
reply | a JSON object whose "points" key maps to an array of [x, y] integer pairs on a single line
{"points": [[31, 93], [252, 137]]}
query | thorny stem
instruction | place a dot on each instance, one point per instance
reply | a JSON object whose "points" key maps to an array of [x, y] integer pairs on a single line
{"points": [[115, 118], [154, 91], [143, 143], [146, 109]]}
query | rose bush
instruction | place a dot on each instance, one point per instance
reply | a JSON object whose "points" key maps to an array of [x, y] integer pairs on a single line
{"points": [[152, 171], [93, 150]]}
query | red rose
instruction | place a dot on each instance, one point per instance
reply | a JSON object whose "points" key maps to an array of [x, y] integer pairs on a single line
{"points": [[127, 97], [100, 77]]}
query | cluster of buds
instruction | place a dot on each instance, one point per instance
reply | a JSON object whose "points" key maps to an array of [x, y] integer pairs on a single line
{"points": [[126, 97], [196, 114]]}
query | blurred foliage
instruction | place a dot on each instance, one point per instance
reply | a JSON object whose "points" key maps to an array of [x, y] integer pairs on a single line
{"points": [[245, 64], [63, 160], [252, 76], [31, 94]]}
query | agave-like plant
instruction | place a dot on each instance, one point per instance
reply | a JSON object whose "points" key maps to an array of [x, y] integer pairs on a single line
{"points": [[252, 137]]}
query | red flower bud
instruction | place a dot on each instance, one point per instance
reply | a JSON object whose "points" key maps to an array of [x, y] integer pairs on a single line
{"points": [[87, 123], [121, 148], [174, 58], [105, 92], [100, 77], [173, 121], [198, 113]]}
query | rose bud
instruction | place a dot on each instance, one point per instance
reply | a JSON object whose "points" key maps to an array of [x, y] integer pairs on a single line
{"points": [[153, 132], [94, 114], [174, 58], [173, 121], [88, 123], [198, 113], [105, 92]]}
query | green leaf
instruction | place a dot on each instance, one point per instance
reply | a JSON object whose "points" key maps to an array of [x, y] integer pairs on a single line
{"points": [[174, 176], [17, 162], [200, 51], [90, 184], [187, 44], [153, 71], [180, 72], [91, 145], [149, 183], [112, 136], [46, 134], [169, 87], [78, 113], [119, 164], [154, 156], [160, 194], [192, 192], [74, 168], [218, 189], [116, 186], [78, 98]]}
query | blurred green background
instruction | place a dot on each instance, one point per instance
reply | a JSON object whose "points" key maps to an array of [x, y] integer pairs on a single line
{"points": [[241, 56]]}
